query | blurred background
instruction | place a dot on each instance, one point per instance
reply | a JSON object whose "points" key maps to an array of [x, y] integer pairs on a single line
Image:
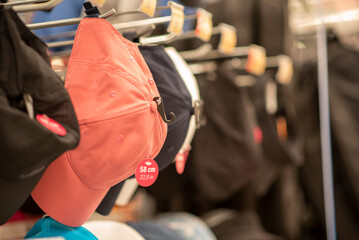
{"points": [[255, 171]]}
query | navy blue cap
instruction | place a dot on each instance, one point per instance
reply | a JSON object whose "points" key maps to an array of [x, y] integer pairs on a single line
{"points": [[226, 142], [155, 231], [177, 99], [48, 227], [108, 202]]}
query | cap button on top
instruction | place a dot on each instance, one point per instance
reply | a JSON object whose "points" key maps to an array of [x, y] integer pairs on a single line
{"points": [[113, 93]]}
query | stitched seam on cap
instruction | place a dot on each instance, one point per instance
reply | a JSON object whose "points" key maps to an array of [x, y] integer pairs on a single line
{"points": [[139, 146], [72, 56], [74, 167], [123, 73], [112, 116], [160, 129], [112, 30]]}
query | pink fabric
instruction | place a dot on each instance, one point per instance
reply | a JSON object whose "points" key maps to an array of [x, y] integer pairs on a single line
{"points": [[18, 216], [111, 89]]}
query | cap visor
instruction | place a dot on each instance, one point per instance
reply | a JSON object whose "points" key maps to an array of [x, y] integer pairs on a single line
{"points": [[63, 196]]}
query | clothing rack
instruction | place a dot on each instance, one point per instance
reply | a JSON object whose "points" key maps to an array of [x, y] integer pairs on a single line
{"points": [[215, 54], [207, 55], [122, 26], [37, 7], [17, 3], [65, 22], [325, 129]]}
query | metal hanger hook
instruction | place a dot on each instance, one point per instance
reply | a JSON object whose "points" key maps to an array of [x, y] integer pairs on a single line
{"points": [[161, 110]]}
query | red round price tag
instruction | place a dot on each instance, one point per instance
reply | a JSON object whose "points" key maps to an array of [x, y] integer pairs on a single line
{"points": [[51, 124], [258, 134], [146, 172]]}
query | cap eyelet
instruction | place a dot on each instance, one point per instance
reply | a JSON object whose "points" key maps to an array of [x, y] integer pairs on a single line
{"points": [[120, 138], [113, 93]]}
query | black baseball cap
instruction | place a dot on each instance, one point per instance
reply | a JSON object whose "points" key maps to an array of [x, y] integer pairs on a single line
{"points": [[176, 96], [224, 156], [29, 85], [109, 200], [178, 100], [277, 152]]}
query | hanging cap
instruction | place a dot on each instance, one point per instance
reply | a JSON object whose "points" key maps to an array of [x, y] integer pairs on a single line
{"points": [[177, 99], [108, 81], [29, 145]]}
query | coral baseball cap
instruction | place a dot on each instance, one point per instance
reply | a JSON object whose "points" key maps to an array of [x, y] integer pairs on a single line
{"points": [[113, 94], [29, 144], [177, 98]]}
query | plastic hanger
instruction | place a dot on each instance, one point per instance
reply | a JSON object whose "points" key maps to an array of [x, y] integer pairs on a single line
{"points": [[161, 110], [199, 52], [121, 26], [216, 54], [191, 34], [202, 51], [165, 38], [47, 5], [203, 67], [159, 8], [12, 4], [284, 64], [168, 38], [140, 32], [65, 22], [178, 18], [76, 21]]}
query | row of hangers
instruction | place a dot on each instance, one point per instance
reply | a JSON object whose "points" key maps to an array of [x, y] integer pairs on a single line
{"points": [[251, 58], [32, 5]]}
